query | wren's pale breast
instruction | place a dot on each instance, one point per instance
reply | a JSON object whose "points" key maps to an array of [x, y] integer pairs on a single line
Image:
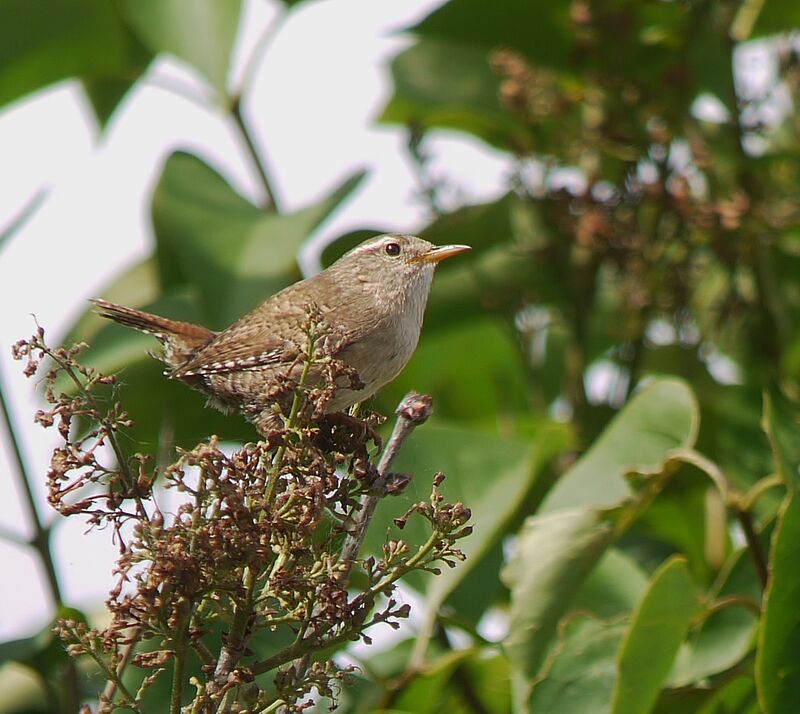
{"points": [[371, 301]]}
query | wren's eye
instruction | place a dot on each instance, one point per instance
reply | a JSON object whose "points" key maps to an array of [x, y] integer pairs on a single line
{"points": [[392, 249]]}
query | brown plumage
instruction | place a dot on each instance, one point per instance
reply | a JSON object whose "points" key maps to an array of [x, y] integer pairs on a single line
{"points": [[371, 304]]}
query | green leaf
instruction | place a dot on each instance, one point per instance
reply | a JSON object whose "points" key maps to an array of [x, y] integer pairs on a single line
{"points": [[658, 627], [448, 84], [613, 588], [489, 474], [234, 254], [659, 420], [554, 554], [200, 32], [45, 41], [781, 423], [777, 663], [541, 30], [489, 385], [579, 676]]}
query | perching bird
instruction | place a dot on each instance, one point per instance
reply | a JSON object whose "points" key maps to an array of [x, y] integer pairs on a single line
{"points": [[371, 303]]}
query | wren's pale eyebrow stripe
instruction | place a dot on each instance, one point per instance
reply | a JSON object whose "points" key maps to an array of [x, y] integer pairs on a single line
{"points": [[374, 303]]}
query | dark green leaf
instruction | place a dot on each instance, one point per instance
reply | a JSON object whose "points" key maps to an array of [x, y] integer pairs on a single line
{"points": [[450, 84], [49, 40]]}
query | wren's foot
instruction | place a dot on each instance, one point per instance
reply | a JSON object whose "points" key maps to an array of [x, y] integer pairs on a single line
{"points": [[339, 426]]}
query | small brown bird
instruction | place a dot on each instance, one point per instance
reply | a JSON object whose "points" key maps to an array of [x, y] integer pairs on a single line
{"points": [[370, 302]]}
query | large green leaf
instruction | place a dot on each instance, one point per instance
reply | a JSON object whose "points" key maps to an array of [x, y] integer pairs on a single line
{"points": [[450, 84], [659, 420], [489, 474], [777, 663], [46, 41], [579, 675], [200, 32], [234, 254], [554, 554], [540, 30], [658, 627], [613, 588]]}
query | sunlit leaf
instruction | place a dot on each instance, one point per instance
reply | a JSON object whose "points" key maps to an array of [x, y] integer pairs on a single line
{"points": [[200, 32], [660, 419]]}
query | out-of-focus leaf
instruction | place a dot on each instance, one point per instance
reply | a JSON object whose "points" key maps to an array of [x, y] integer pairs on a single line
{"points": [[658, 626], [679, 517], [613, 588], [22, 691], [232, 252], [200, 32], [487, 388], [49, 40], [489, 474], [781, 422], [22, 217], [106, 93], [660, 419], [767, 18], [554, 554], [439, 83], [777, 664], [580, 673], [540, 30]]}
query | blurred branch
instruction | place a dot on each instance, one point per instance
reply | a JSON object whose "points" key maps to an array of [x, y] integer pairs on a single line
{"points": [[264, 41], [24, 215], [270, 204], [40, 542]]}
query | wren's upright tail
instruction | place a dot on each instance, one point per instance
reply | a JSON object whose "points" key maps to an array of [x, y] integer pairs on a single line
{"points": [[180, 340]]}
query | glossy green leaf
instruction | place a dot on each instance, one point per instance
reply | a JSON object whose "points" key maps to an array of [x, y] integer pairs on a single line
{"points": [[579, 676], [777, 664], [781, 422], [658, 627], [200, 32], [659, 420], [234, 254], [554, 554], [46, 41]]}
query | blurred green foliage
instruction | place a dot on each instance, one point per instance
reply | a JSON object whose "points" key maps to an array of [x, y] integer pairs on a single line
{"points": [[615, 366]]}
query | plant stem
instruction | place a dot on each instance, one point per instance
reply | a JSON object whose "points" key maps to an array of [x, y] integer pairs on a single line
{"points": [[40, 541], [270, 203], [412, 411]]}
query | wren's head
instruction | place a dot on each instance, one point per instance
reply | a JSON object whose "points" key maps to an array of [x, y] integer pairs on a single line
{"points": [[397, 267]]}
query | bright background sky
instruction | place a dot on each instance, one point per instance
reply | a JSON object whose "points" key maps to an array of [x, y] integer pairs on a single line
{"points": [[316, 94]]}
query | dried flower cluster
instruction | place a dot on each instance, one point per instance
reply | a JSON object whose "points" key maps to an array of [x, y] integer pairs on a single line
{"points": [[240, 590]]}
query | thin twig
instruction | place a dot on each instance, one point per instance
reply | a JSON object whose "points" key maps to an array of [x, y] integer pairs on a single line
{"points": [[412, 411], [40, 540], [270, 203]]}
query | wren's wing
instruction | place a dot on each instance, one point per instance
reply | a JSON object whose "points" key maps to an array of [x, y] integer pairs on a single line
{"points": [[263, 337]]}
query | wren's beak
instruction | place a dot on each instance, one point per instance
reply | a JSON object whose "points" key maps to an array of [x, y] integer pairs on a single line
{"points": [[440, 253]]}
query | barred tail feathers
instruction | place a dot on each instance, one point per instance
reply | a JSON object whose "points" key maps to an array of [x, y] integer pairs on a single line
{"points": [[180, 339]]}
